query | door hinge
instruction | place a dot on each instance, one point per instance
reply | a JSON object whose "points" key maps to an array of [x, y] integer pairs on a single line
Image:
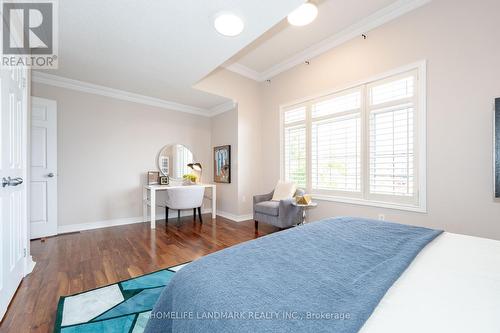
{"points": [[25, 252], [24, 82]]}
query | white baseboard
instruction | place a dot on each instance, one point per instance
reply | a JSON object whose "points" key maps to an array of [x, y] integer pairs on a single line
{"points": [[234, 217], [63, 229]]}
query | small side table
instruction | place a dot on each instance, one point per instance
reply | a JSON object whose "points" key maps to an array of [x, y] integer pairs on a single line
{"points": [[304, 209]]}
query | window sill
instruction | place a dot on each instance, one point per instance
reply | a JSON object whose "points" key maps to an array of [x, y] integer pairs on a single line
{"points": [[380, 204]]}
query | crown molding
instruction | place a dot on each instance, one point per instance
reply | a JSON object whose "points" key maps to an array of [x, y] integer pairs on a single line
{"points": [[221, 108], [244, 70], [369, 23], [62, 82]]}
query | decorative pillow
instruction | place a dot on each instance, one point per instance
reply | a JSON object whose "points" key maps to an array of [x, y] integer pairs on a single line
{"points": [[284, 190]]}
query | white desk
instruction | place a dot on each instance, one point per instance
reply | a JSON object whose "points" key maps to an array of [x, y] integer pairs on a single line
{"points": [[151, 202]]}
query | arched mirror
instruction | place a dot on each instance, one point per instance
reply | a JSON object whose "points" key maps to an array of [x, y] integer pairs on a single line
{"points": [[173, 160]]}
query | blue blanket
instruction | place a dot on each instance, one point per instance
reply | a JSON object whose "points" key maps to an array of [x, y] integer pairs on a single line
{"points": [[326, 276]]}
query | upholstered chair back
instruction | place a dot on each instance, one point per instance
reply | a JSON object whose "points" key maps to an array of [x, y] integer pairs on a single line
{"points": [[185, 197]]}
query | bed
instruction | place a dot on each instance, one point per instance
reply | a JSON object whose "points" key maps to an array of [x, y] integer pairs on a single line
{"points": [[339, 275]]}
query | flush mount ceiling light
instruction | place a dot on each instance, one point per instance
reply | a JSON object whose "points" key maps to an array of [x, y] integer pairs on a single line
{"points": [[228, 24], [303, 15]]}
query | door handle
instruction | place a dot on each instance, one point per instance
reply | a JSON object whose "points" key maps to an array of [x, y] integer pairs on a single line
{"points": [[50, 175], [11, 181]]}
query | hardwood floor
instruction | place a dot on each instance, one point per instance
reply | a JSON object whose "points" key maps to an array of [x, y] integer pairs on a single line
{"points": [[72, 263]]}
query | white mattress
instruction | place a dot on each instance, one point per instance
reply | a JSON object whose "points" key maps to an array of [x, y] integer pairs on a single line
{"points": [[453, 285]]}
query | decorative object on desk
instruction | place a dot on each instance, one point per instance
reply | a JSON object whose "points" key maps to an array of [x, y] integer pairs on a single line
{"points": [[164, 180], [222, 164], [196, 167], [153, 177], [173, 161], [189, 179], [303, 199], [497, 148]]}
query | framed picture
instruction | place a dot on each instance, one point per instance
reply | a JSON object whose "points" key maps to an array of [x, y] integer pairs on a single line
{"points": [[153, 177], [164, 180], [222, 164], [497, 147]]}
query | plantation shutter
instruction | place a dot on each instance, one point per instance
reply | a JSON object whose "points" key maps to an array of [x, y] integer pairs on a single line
{"points": [[361, 145], [336, 143], [295, 146], [391, 137]]}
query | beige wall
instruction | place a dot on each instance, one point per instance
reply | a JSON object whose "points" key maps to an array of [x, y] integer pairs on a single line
{"points": [[459, 40], [463, 77], [246, 93], [105, 147], [225, 132]]}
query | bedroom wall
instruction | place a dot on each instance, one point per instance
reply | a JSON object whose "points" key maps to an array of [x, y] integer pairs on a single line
{"points": [[105, 147], [459, 42], [224, 128], [247, 94]]}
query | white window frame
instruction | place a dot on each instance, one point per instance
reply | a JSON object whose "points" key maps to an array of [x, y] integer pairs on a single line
{"points": [[420, 143]]}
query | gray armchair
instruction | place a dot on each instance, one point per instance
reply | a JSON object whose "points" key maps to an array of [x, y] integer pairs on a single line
{"points": [[281, 214]]}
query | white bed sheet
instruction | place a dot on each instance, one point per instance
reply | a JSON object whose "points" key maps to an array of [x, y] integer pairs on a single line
{"points": [[453, 285]]}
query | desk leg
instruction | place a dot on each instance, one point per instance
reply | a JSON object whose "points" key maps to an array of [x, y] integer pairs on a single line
{"points": [[144, 204], [153, 209], [214, 203]]}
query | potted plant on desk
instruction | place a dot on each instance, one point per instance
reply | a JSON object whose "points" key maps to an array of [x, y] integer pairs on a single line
{"points": [[189, 179]]}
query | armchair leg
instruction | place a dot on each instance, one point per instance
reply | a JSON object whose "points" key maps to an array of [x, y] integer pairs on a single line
{"points": [[194, 214], [178, 214], [256, 225], [166, 215], [199, 214]]}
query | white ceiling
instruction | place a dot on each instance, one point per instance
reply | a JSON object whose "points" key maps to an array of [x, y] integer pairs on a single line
{"points": [[156, 48], [338, 21], [285, 40]]}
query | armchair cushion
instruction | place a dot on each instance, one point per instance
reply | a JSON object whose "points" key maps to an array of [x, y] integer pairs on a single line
{"points": [[268, 207], [284, 190]]}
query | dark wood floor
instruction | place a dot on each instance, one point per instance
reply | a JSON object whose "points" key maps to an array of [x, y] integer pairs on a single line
{"points": [[72, 263]]}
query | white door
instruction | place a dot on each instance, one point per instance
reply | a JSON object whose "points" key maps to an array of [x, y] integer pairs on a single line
{"points": [[43, 193], [13, 172]]}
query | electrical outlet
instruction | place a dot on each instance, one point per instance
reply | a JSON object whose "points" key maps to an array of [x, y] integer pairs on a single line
{"points": [[381, 217]]}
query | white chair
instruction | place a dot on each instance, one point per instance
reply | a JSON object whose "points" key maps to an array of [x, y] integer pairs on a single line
{"points": [[184, 197]]}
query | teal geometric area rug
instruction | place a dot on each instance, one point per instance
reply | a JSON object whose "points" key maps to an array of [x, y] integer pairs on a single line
{"points": [[123, 307]]}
